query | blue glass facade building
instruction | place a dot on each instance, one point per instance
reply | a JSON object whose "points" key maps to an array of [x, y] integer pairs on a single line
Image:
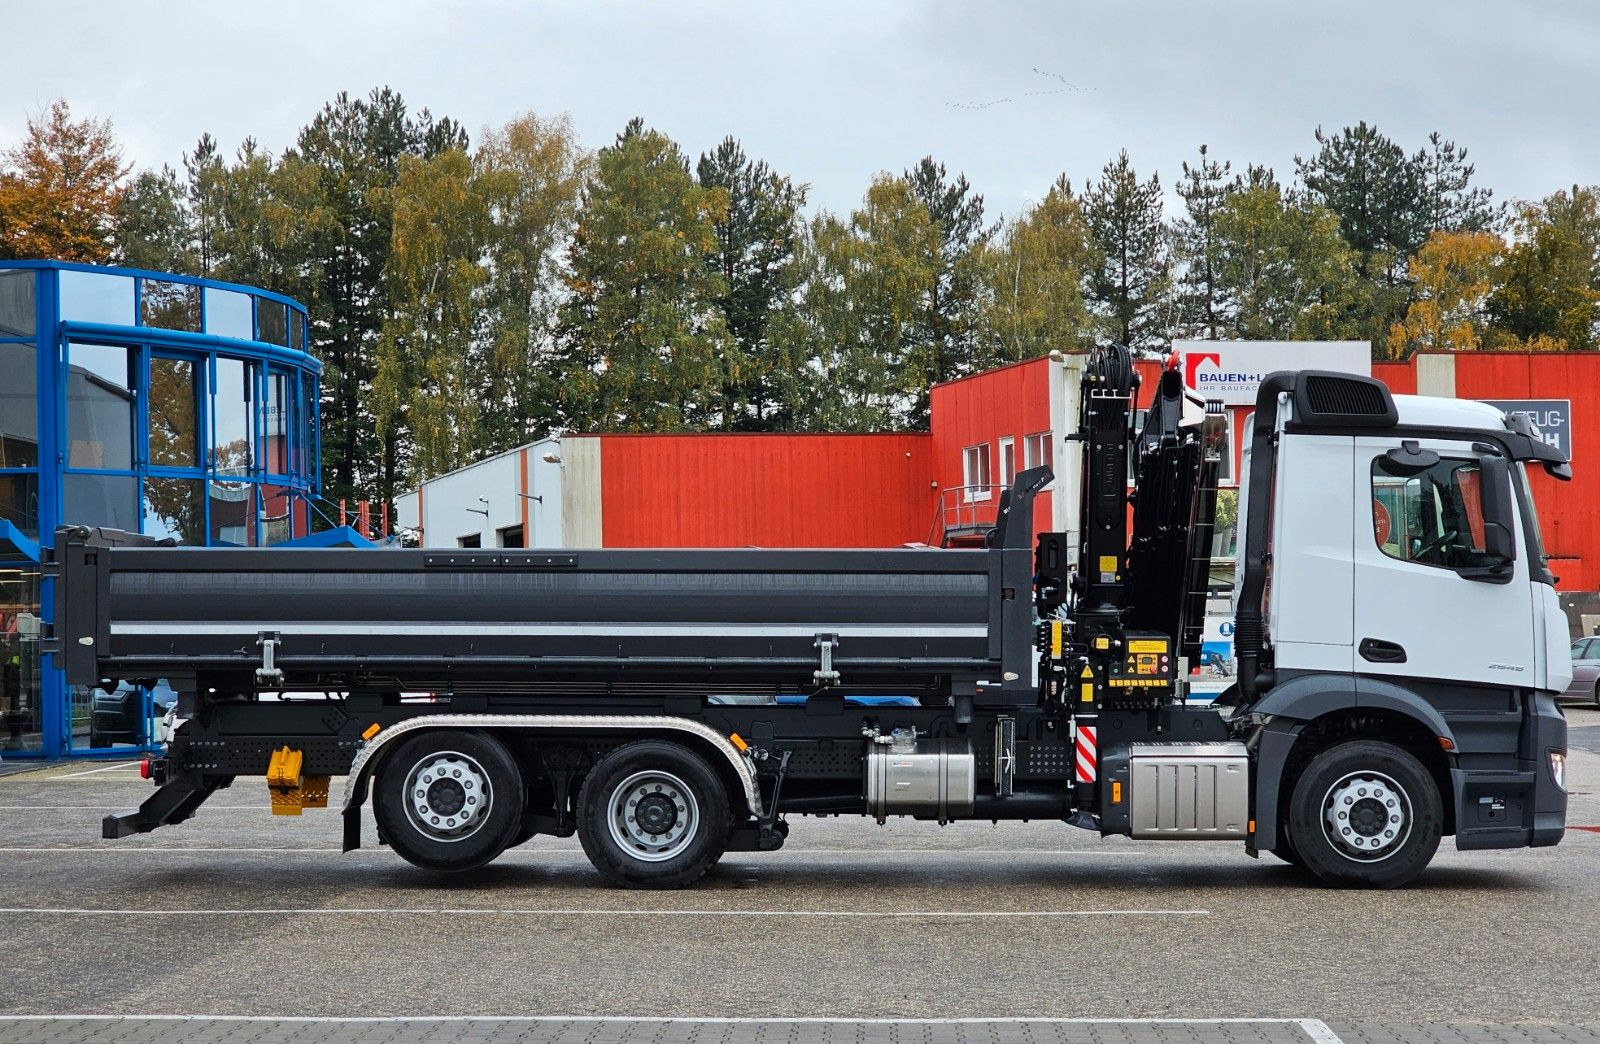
{"points": [[154, 403]]}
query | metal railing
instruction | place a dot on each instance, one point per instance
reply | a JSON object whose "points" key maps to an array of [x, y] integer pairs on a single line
{"points": [[964, 511]]}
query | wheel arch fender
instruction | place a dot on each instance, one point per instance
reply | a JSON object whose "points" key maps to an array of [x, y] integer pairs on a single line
{"points": [[1299, 702], [641, 726]]}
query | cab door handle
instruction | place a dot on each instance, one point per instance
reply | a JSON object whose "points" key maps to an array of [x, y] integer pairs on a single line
{"points": [[1376, 650]]}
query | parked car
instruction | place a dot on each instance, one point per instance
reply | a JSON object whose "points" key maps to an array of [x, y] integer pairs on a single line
{"points": [[1585, 671]]}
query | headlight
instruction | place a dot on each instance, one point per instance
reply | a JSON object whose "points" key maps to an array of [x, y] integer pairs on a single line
{"points": [[1558, 768]]}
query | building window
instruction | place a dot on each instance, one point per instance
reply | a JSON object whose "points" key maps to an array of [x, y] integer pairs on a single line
{"points": [[19, 502], [472, 540], [1008, 461], [174, 413], [101, 500], [233, 422], [173, 508], [1036, 451], [228, 314], [233, 513], [511, 536], [19, 406], [272, 322], [99, 407], [16, 304], [170, 306], [975, 472], [280, 413], [95, 297]]}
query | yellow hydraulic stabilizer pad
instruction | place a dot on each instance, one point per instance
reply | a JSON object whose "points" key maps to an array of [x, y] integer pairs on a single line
{"points": [[284, 782]]}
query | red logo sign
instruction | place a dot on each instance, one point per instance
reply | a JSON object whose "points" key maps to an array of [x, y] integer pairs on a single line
{"points": [[1192, 361]]}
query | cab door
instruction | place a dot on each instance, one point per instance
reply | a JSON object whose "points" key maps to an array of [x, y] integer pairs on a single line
{"points": [[1428, 605]]}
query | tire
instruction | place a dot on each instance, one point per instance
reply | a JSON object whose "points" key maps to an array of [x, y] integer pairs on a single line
{"points": [[1597, 694], [1365, 814], [681, 797], [449, 800]]}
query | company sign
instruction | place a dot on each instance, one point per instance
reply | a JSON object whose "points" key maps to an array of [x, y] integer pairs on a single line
{"points": [[1232, 371], [1551, 418]]}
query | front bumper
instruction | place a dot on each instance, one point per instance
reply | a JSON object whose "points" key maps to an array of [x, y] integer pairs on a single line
{"points": [[1519, 807]]}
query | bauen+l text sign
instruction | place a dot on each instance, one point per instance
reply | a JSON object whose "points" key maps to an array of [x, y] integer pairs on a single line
{"points": [[1232, 371], [1551, 418]]}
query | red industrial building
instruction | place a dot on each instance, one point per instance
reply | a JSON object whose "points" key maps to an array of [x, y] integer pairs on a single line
{"points": [[940, 486]]}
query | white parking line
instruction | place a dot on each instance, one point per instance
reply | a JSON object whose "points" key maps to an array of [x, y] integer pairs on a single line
{"points": [[427, 911], [1319, 1031], [1316, 1029], [88, 772]]}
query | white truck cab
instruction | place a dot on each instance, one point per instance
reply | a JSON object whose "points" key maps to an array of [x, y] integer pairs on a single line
{"points": [[1401, 572]]}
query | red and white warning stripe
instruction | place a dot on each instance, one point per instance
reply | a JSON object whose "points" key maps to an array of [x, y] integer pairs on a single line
{"points": [[1088, 754]]}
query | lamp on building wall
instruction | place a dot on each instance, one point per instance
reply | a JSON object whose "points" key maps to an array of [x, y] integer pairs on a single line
{"points": [[484, 511], [532, 496], [551, 457]]}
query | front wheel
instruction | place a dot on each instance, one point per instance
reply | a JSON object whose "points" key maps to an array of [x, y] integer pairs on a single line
{"points": [[1365, 814], [653, 814], [449, 800], [1597, 694]]}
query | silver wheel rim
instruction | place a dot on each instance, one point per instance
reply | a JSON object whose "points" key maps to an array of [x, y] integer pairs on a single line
{"points": [[1366, 816], [653, 816], [448, 796]]}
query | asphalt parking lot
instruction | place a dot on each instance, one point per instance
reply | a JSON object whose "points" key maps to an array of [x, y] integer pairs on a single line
{"points": [[990, 933]]}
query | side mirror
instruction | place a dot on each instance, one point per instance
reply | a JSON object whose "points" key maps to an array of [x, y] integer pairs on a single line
{"points": [[1499, 520]]}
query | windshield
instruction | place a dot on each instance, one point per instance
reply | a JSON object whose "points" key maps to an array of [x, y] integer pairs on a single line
{"points": [[1530, 519]]}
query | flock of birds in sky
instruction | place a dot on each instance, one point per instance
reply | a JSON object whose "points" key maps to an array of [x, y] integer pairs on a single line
{"points": [[1068, 87]]}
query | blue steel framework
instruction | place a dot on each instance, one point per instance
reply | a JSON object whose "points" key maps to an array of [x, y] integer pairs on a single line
{"points": [[235, 459]]}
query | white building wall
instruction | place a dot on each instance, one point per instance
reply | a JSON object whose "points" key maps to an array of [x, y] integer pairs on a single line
{"points": [[518, 488]]}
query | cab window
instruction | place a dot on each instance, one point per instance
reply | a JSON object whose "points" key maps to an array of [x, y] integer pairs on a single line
{"points": [[1433, 517]]}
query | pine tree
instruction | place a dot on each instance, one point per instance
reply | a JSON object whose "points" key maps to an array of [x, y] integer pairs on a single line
{"points": [[1376, 191], [152, 224], [1130, 286], [1200, 304], [345, 165], [755, 259], [641, 345], [203, 168], [1452, 203]]}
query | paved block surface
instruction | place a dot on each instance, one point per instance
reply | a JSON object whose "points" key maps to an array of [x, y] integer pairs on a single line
{"points": [[238, 913], [574, 1031]]}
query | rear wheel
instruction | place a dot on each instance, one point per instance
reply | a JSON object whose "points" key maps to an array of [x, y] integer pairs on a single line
{"points": [[449, 800], [1365, 814], [653, 815]]}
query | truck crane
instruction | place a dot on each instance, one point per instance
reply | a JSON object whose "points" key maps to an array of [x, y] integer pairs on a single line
{"points": [[1398, 639]]}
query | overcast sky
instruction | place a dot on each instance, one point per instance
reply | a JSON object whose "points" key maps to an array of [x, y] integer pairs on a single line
{"points": [[830, 93]]}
